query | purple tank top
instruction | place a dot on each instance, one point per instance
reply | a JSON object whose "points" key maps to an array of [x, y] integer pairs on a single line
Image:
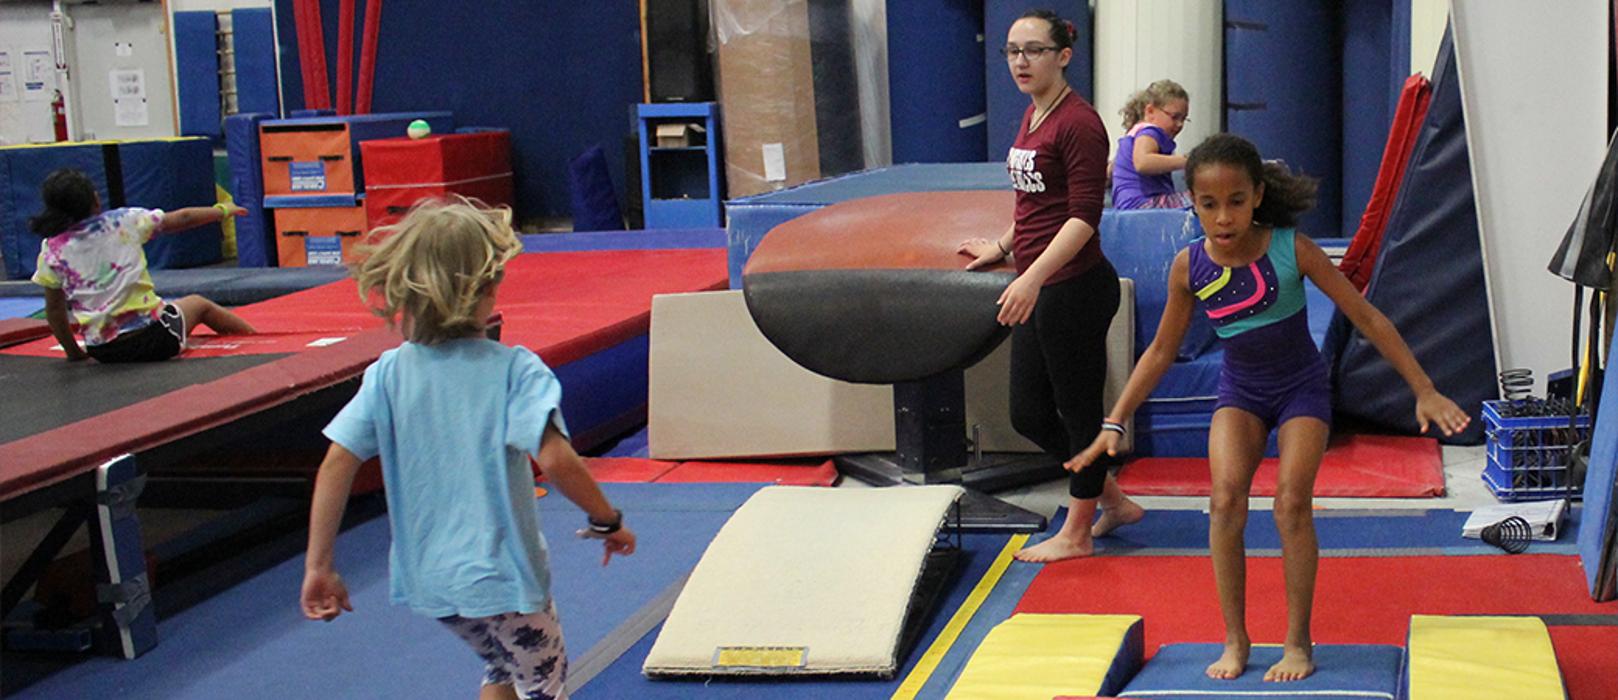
{"points": [[1130, 189]]}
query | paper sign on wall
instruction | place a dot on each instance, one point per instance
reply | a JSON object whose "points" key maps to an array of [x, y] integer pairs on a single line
{"points": [[8, 79], [128, 87], [38, 76]]}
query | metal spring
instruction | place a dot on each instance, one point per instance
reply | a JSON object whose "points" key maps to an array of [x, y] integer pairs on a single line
{"points": [[1516, 384], [1512, 534]]}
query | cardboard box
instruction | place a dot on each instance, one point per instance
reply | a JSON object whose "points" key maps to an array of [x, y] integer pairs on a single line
{"points": [[766, 91]]}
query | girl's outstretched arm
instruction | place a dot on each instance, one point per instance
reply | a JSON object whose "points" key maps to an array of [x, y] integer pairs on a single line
{"points": [[1157, 359], [192, 217], [1432, 407]]}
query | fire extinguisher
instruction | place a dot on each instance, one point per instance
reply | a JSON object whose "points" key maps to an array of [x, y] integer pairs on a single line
{"points": [[59, 115]]}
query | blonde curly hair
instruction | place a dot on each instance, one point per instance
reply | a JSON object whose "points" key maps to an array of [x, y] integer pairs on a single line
{"points": [[1159, 94], [428, 273]]}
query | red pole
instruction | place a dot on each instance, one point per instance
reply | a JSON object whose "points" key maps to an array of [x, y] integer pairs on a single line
{"points": [[345, 57], [373, 29], [306, 66], [316, 58]]}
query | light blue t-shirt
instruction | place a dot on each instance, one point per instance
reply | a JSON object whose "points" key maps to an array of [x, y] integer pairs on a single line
{"points": [[454, 423]]}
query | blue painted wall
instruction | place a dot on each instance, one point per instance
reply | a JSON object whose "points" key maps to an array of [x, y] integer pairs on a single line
{"points": [[562, 76]]}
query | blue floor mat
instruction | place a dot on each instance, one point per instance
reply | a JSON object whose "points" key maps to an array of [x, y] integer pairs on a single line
{"points": [[251, 641], [20, 307], [1432, 531]]}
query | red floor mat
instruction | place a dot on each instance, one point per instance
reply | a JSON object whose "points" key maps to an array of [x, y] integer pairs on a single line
{"points": [[788, 472], [553, 303], [1359, 466], [1358, 600], [795, 473]]}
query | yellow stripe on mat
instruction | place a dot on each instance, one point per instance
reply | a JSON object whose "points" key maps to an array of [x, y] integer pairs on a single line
{"points": [[929, 661]]}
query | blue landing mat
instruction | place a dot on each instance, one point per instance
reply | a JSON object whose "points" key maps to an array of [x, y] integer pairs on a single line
{"points": [[20, 307], [251, 641], [1345, 671], [1340, 532], [231, 286]]}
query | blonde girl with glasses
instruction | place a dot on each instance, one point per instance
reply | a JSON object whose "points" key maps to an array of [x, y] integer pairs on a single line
{"points": [[1142, 174]]}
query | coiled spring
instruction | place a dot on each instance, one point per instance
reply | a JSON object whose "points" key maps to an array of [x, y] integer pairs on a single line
{"points": [[1512, 534]]}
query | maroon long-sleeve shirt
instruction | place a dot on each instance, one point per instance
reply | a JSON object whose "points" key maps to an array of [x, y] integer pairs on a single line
{"points": [[1059, 172]]}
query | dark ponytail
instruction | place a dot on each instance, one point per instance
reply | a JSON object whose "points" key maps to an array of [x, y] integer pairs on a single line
{"points": [[69, 198], [1062, 31], [1286, 194]]}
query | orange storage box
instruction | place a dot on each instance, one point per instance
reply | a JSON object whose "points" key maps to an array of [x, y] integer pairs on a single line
{"points": [[321, 235]]}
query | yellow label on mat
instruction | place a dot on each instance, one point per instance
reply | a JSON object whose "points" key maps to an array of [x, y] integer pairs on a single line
{"points": [[760, 657]]}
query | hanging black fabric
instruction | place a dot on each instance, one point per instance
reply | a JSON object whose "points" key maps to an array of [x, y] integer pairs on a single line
{"points": [[1582, 256]]}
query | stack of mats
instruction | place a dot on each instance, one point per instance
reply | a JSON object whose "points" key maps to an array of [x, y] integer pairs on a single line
{"points": [[255, 231], [805, 581], [401, 171]]}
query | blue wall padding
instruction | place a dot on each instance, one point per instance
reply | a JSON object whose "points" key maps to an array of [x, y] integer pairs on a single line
{"points": [[615, 387], [594, 203], [1429, 281], [524, 76], [253, 32], [196, 70], [170, 175], [22, 171], [935, 81], [1006, 103], [1281, 91], [1596, 532], [1367, 110], [255, 233], [1342, 671], [752, 217]]}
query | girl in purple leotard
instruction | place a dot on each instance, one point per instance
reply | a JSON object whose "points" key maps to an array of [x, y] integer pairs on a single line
{"points": [[1247, 275]]}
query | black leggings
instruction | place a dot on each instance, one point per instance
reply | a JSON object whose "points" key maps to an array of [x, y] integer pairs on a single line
{"points": [[1059, 369]]}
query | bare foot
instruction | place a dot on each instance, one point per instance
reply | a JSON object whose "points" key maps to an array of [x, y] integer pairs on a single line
{"points": [[1231, 663], [1057, 548], [1112, 518], [1295, 665]]}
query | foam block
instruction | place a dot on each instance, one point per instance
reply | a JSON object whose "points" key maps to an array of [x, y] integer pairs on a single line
{"points": [[804, 581], [1042, 656], [1480, 658], [1342, 671], [720, 390]]}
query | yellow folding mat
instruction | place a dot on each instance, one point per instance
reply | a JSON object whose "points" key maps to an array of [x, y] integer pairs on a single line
{"points": [[1046, 656], [1480, 658]]}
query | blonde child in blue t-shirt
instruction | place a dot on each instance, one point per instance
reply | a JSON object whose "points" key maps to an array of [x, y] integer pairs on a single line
{"points": [[454, 417]]}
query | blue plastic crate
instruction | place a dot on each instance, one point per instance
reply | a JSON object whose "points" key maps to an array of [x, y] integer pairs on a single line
{"points": [[1528, 455]]}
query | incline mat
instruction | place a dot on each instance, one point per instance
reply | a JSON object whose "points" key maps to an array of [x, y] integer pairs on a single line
{"points": [[1357, 466], [804, 581], [1481, 657]]}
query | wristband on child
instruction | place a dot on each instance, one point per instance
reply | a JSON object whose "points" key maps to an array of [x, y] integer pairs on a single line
{"points": [[1113, 426], [1003, 252], [607, 528], [224, 210]]}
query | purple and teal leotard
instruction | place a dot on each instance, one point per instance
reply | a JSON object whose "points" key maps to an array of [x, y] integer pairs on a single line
{"points": [[1272, 368]]}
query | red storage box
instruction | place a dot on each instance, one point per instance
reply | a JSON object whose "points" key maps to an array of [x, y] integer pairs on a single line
{"points": [[401, 171], [318, 235]]}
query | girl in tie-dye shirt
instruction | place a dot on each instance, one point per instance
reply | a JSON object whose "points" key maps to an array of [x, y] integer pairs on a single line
{"points": [[91, 264]]}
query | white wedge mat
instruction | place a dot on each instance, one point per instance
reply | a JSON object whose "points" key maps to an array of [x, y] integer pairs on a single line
{"points": [[804, 580]]}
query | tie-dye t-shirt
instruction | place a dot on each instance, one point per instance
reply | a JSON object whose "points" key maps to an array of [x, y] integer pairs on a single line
{"points": [[99, 265]]}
